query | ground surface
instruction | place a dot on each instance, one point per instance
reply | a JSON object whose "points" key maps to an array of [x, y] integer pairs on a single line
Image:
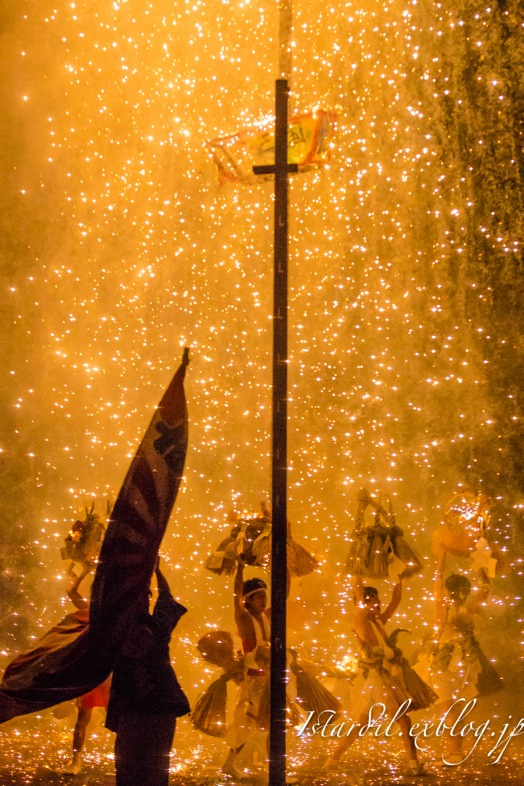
{"points": [[99, 776], [34, 750], [510, 772]]}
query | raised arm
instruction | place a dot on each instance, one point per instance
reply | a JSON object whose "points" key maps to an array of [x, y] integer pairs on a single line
{"points": [[163, 586], [440, 602], [237, 589], [396, 597], [73, 591], [358, 589], [477, 599], [167, 610]]}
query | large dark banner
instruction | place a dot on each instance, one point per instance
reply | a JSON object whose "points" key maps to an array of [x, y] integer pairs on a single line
{"points": [[76, 655]]}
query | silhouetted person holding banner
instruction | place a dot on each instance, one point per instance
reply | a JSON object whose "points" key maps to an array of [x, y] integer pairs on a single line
{"points": [[122, 637], [145, 698]]}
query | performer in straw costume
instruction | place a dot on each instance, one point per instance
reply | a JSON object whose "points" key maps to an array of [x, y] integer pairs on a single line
{"points": [[385, 675], [453, 662], [458, 668], [98, 697], [253, 620]]}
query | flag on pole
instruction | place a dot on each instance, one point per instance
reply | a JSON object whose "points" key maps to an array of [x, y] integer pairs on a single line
{"points": [[139, 518], [309, 146], [77, 654]]}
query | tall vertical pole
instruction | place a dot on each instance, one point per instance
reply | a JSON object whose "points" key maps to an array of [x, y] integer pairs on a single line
{"points": [[279, 578]]}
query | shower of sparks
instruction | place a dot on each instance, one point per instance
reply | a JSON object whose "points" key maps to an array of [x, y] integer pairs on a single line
{"points": [[120, 247]]}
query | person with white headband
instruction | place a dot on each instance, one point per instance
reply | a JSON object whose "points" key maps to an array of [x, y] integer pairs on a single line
{"points": [[253, 620]]}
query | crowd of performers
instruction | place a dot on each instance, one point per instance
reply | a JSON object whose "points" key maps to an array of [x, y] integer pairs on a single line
{"points": [[142, 696], [114, 649], [449, 669]]}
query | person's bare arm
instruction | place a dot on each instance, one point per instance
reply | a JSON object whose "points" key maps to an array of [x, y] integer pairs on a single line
{"points": [[477, 600], [396, 597], [358, 589], [73, 591], [361, 625], [240, 611], [440, 604]]}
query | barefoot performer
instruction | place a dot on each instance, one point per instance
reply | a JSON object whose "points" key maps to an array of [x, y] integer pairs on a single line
{"points": [[385, 675], [459, 669], [98, 697], [456, 666], [253, 620]]}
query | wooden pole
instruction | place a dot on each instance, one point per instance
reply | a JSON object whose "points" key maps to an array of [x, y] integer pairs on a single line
{"points": [[279, 578]]}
